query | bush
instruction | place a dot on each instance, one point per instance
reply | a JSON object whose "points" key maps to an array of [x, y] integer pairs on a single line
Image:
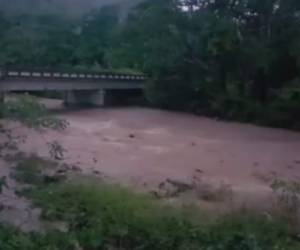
{"points": [[12, 239], [101, 216], [110, 217], [284, 111]]}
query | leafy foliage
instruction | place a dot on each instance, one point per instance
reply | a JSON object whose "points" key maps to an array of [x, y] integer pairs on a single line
{"points": [[30, 112], [110, 217], [233, 59], [288, 200]]}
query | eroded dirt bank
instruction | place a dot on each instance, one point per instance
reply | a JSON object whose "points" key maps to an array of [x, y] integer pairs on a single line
{"points": [[148, 148]]}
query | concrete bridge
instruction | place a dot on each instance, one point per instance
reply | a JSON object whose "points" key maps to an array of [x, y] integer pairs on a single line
{"points": [[78, 87]]}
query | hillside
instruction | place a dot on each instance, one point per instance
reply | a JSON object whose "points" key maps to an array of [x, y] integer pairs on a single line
{"points": [[70, 8]]}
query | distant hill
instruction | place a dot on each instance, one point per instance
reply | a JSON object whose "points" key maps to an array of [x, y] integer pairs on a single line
{"points": [[69, 8]]}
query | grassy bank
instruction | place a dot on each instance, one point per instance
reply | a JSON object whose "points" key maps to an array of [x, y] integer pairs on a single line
{"points": [[99, 216], [87, 214]]}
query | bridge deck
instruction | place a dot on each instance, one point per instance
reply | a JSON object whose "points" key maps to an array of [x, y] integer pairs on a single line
{"points": [[36, 80]]}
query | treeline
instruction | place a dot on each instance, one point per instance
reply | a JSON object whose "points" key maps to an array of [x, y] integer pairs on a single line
{"points": [[235, 59], [227, 58], [48, 40]]}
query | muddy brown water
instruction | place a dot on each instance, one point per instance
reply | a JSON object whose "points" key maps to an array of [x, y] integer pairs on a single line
{"points": [[218, 165], [144, 147]]}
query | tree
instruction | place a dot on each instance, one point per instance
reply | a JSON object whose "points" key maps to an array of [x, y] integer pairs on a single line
{"points": [[229, 58]]}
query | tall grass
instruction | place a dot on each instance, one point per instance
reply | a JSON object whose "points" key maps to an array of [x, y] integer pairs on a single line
{"points": [[111, 217]]}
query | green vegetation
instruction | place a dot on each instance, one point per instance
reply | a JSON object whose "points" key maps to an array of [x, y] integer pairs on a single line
{"points": [[232, 59], [30, 112], [31, 169], [49, 40], [110, 217], [92, 216]]}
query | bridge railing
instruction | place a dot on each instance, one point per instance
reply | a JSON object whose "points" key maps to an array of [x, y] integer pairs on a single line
{"points": [[50, 74]]}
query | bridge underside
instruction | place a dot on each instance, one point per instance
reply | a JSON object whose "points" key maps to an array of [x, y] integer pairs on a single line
{"points": [[85, 97], [76, 92]]}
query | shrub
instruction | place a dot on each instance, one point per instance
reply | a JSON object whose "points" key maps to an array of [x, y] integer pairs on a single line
{"points": [[110, 217], [103, 216]]}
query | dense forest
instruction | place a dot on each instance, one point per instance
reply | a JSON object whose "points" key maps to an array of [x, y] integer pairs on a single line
{"points": [[234, 59]]}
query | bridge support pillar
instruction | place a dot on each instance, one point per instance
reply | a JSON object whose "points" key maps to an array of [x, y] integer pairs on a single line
{"points": [[98, 97], [84, 97], [2, 97], [2, 100]]}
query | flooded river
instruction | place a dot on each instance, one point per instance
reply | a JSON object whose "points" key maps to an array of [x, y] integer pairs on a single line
{"points": [[145, 147]]}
